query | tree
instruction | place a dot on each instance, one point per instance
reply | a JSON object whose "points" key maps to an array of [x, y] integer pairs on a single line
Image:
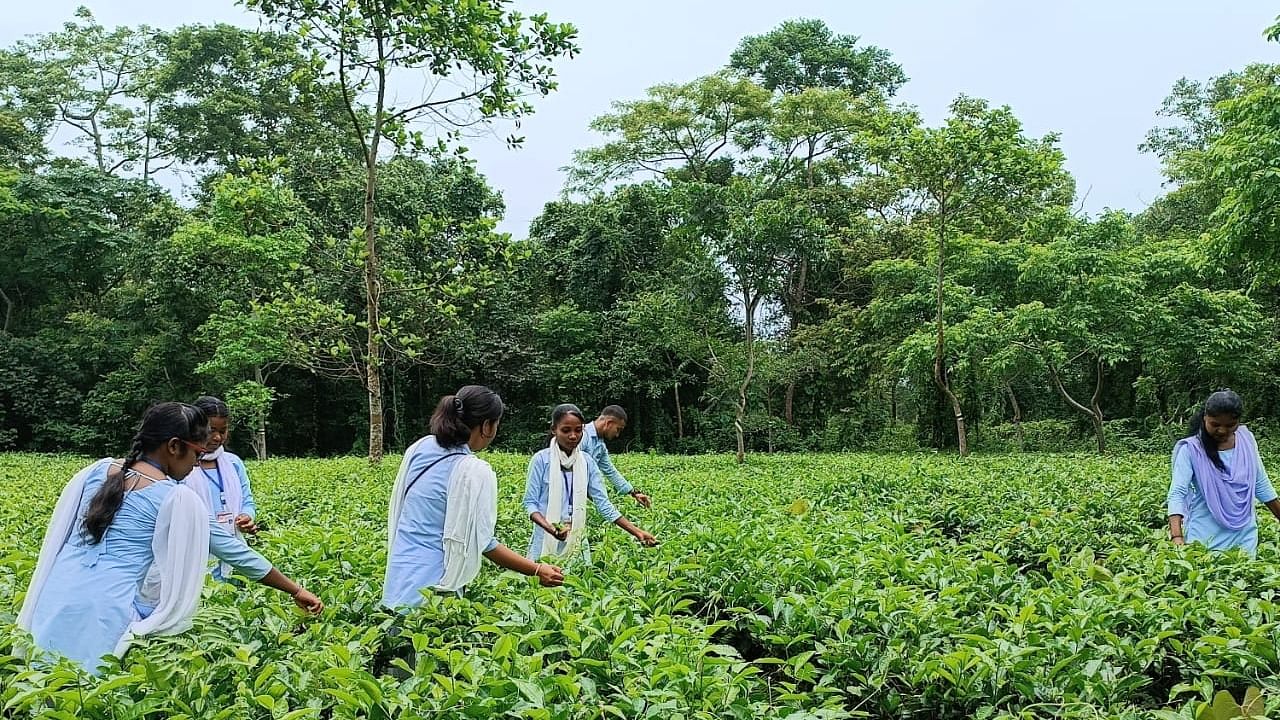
{"points": [[251, 246], [229, 94], [802, 54], [677, 132], [754, 233], [100, 85], [479, 59], [977, 172]]}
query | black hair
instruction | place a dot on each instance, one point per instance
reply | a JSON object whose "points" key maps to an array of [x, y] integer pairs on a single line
{"points": [[563, 410], [614, 411], [458, 414], [1223, 402], [160, 424], [212, 407]]}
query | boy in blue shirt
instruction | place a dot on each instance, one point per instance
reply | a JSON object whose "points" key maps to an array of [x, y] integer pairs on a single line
{"points": [[610, 423]]}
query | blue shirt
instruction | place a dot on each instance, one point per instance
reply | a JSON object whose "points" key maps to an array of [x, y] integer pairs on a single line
{"points": [[88, 600], [594, 447], [537, 488], [247, 505], [416, 561], [1198, 524]]}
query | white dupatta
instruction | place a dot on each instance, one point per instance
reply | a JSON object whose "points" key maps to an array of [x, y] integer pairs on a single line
{"points": [[198, 481], [555, 497], [180, 544], [471, 515]]}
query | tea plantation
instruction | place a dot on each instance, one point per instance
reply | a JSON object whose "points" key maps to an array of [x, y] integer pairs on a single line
{"points": [[793, 587]]}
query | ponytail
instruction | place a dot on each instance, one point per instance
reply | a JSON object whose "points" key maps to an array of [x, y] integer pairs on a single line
{"points": [[457, 415]]}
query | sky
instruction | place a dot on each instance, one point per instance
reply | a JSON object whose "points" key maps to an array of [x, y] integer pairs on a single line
{"points": [[1094, 71]]}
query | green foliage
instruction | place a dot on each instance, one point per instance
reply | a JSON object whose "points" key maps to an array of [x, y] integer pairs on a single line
{"points": [[887, 586]]}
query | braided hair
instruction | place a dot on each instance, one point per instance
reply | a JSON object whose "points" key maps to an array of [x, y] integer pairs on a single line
{"points": [[160, 424]]}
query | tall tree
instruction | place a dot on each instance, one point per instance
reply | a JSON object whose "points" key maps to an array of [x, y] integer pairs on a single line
{"points": [[977, 172], [479, 61], [801, 54], [101, 86]]}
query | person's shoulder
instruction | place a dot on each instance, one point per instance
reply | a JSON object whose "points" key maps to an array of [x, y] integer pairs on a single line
{"points": [[235, 459], [542, 456]]}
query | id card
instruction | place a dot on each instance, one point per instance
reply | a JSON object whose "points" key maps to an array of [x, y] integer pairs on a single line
{"points": [[225, 518]]}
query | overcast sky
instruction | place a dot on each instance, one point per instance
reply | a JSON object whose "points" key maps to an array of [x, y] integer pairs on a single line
{"points": [[1093, 71]]}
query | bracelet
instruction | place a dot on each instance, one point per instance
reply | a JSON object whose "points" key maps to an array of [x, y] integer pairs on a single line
{"points": [[1176, 537], [297, 592], [537, 568]]}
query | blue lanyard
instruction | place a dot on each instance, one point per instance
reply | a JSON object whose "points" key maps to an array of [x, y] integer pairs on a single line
{"points": [[217, 471], [222, 495]]}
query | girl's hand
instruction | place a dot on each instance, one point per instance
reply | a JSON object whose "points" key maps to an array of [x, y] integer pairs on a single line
{"points": [[560, 533], [645, 538], [643, 499], [245, 524], [307, 601], [549, 575]]}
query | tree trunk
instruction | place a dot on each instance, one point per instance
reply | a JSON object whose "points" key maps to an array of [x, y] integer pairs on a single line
{"points": [[373, 271], [8, 311], [741, 412], [893, 404], [940, 347], [788, 402], [675, 392], [1096, 407], [1094, 410], [260, 431], [1017, 416]]}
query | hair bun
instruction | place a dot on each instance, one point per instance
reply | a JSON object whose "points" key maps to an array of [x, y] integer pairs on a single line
{"points": [[457, 404]]}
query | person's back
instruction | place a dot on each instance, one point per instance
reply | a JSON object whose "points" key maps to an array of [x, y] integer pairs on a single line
{"points": [[417, 555], [82, 625]]}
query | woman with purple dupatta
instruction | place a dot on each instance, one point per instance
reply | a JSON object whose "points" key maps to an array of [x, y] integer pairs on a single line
{"points": [[1217, 477]]}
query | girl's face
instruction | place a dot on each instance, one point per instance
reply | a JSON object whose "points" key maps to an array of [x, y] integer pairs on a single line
{"points": [[1221, 427], [482, 436], [180, 456], [568, 433], [217, 433]]}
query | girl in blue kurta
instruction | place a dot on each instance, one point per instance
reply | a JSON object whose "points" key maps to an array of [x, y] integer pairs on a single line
{"points": [[221, 478], [1217, 477], [561, 479], [444, 506], [113, 521]]}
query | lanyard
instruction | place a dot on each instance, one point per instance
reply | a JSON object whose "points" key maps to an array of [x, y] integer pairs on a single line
{"points": [[222, 495]]}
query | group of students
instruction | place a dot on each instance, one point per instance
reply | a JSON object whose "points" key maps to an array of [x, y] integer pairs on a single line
{"points": [[131, 540]]}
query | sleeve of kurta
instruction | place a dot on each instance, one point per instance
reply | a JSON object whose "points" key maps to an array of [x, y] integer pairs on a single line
{"points": [[535, 488], [1263, 489], [1180, 485], [247, 505], [234, 552], [595, 490], [606, 466]]}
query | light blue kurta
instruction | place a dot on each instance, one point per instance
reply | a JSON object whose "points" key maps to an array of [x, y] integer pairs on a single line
{"points": [[417, 554], [215, 482], [88, 600], [593, 445], [537, 492], [1198, 524]]}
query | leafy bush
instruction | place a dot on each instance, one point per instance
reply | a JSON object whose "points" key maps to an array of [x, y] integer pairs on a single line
{"points": [[795, 586]]}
